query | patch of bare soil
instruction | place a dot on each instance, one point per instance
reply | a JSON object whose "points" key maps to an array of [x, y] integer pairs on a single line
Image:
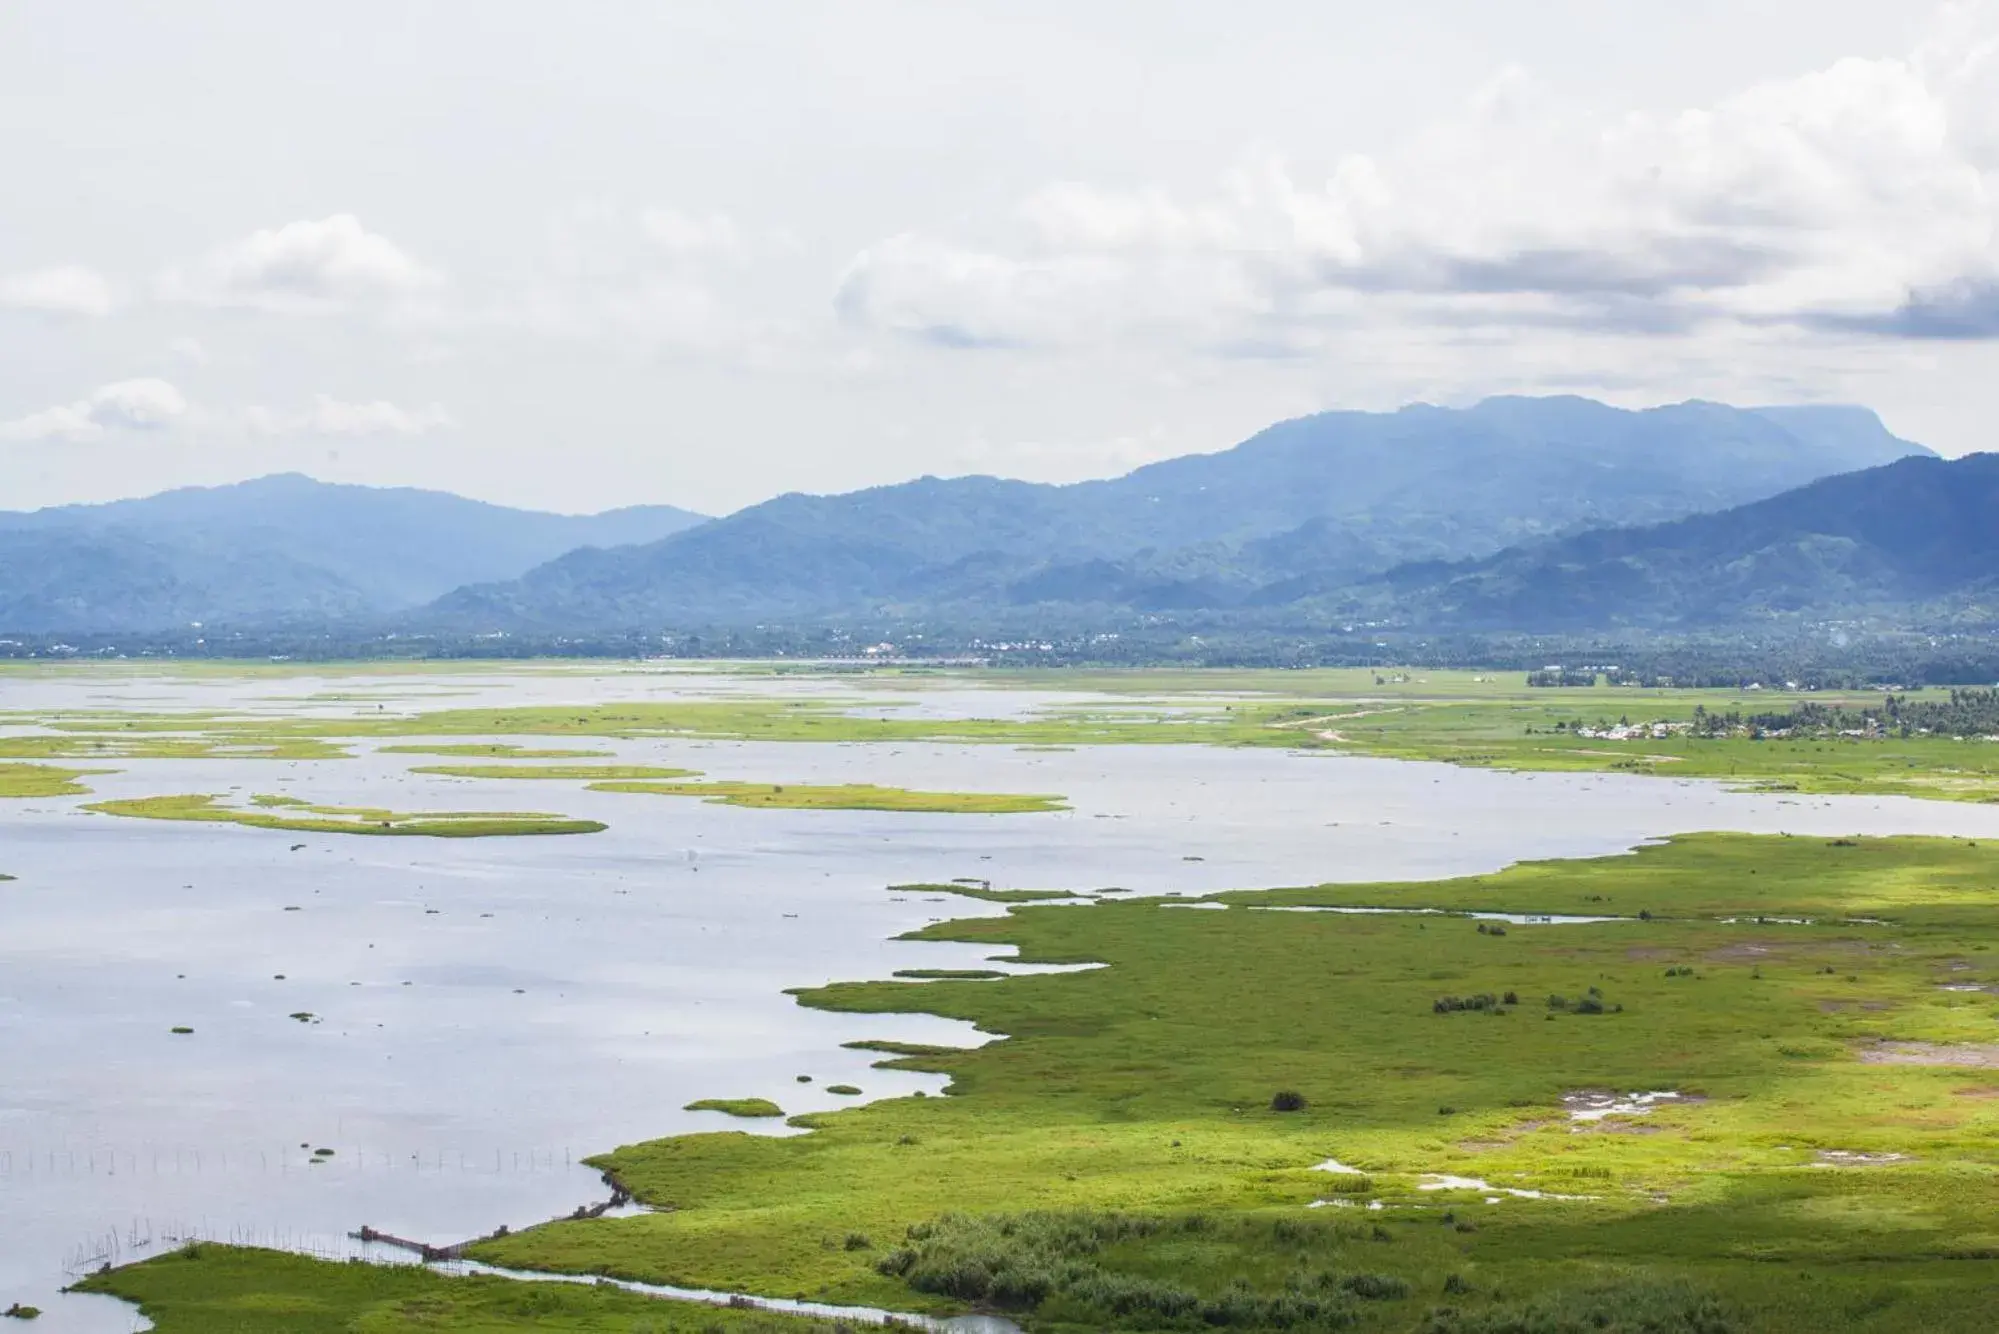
{"points": [[1978, 1055]]}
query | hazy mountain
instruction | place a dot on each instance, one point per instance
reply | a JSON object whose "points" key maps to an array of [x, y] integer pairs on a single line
{"points": [[1306, 505], [65, 580], [278, 548], [1915, 533]]}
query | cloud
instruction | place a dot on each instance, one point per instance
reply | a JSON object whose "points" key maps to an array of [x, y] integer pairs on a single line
{"points": [[685, 235], [329, 416], [302, 267], [128, 405], [1861, 198], [67, 289]]}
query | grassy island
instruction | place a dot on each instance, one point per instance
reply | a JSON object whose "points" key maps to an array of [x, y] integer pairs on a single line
{"points": [[43, 780], [744, 1107], [291, 813]]}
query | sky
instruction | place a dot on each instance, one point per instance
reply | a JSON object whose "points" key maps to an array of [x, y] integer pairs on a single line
{"points": [[595, 254]]}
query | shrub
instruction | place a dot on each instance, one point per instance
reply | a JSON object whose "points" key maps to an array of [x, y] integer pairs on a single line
{"points": [[1287, 1100], [858, 1241], [1022, 1261], [1625, 1308], [1375, 1287]]}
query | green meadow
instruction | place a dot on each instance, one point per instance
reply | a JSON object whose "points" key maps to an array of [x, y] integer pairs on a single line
{"points": [[42, 780], [651, 781], [745, 1107], [573, 772], [1473, 718], [267, 812], [845, 797], [209, 1289]]}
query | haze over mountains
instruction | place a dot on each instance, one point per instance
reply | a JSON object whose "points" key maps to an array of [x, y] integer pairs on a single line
{"points": [[1917, 533], [283, 548], [1303, 507], [1516, 513]]}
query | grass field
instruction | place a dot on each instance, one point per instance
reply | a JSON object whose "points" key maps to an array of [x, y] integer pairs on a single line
{"points": [[651, 781], [497, 750], [846, 797], [225, 1290], [89, 743], [42, 780], [749, 1107], [266, 812], [570, 772], [1460, 717]]}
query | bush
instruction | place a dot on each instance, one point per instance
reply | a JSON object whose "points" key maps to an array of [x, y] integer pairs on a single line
{"points": [[1287, 1100], [1375, 1287], [1625, 1308], [1019, 1262]]}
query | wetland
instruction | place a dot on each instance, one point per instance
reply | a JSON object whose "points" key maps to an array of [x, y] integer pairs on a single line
{"points": [[948, 1055]]}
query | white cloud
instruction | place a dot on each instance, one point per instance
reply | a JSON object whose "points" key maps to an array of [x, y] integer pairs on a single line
{"points": [[686, 235], [302, 267], [329, 416], [1860, 198], [127, 405], [189, 349], [67, 289]]}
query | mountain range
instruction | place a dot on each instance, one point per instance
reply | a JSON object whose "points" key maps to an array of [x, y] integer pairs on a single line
{"points": [[278, 549], [1916, 533], [1516, 513], [1303, 507]]}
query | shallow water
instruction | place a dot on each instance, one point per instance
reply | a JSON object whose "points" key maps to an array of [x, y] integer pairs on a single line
{"points": [[487, 1012]]}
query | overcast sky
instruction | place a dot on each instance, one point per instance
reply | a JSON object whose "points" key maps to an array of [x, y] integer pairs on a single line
{"points": [[590, 254]]}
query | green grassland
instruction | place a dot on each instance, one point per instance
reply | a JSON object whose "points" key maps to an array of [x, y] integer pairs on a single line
{"points": [[1144, 1089], [496, 751], [210, 1289], [587, 772], [846, 797], [90, 743], [42, 780], [1460, 717], [1520, 734], [732, 720], [750, 1107], [654, 781], [268, 812]]}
